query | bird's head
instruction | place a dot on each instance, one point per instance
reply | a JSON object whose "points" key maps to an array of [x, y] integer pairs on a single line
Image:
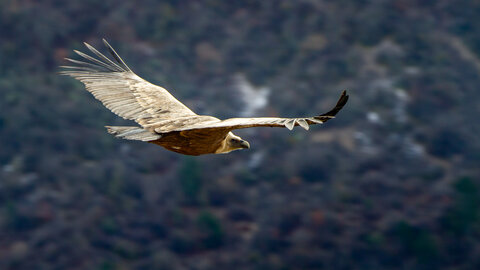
{"points": [[233, 142]]}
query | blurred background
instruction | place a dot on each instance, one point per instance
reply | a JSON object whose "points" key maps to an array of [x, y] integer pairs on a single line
{"points": [[391, 183]]}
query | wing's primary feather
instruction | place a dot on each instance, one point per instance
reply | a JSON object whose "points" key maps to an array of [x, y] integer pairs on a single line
{"points": [[115, 55], [122, 91]]}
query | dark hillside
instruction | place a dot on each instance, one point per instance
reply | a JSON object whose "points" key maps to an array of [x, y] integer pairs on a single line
{"points": [[391, 183]]}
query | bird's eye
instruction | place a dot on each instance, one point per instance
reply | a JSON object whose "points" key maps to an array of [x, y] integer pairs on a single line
{"points": [[232, 140]]}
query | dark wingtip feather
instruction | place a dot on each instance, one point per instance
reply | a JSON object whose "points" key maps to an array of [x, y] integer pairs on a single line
{"points": [[340, 103]]}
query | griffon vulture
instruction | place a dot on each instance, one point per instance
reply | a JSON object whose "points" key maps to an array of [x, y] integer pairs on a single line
{"points": [[162, 119]]}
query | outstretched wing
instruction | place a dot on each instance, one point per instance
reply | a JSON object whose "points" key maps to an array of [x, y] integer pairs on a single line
{"points": [[122, 91], [237, 123]]}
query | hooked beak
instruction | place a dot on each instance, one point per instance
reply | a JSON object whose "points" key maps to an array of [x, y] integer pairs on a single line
{"points": [[245, 144]]}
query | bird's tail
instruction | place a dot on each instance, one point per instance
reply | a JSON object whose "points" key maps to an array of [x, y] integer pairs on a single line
{"points": [[133, 133]]}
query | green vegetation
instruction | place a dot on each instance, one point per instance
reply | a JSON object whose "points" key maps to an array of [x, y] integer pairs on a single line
{"points": [[190, 180], [212, 234], [463, 215]]}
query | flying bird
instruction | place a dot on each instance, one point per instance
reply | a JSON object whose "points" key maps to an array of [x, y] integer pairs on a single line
{"points": [[161, 118]]}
